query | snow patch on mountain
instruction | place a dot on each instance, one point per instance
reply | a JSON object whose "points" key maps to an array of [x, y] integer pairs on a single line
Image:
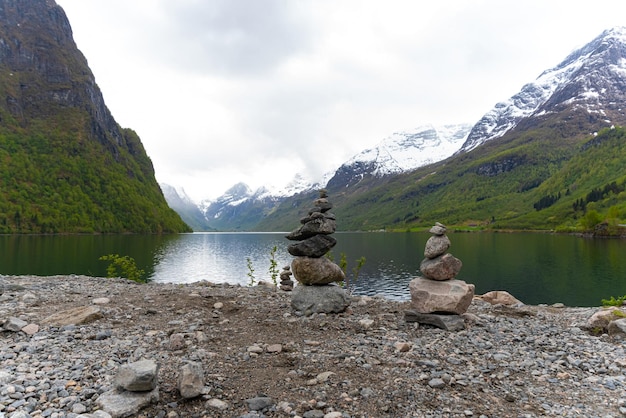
{"points": [[406, 151]]}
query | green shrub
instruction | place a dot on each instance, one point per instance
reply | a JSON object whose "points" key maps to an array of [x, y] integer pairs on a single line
{"points": [[123, 267]]}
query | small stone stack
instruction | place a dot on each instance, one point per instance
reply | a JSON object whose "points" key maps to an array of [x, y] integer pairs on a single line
{"points": [[286, 283], [311, 268], [438, 298]]}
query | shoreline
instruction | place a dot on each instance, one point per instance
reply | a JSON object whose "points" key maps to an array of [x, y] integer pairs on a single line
{"points": [[521, 360]]}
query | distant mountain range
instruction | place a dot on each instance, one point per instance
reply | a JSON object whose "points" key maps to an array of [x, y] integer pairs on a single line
{"points": [[241, 208], [547, 158]]}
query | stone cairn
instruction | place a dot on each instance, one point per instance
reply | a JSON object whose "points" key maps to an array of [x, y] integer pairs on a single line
{"points": [[316, 274], [286, 283], [438, 298]]}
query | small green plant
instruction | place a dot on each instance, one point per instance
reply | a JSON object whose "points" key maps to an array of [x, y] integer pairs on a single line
{"points": [[613, 301], [123, 266], [343, 264], [250, 272], [273, 266]]}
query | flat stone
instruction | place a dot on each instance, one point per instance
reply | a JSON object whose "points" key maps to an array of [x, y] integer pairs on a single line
{"points": [[315, 246], [447, 322], [323, 225], [31, 329], [14, 324], [76, 316], [121, 404], [438, 229]]}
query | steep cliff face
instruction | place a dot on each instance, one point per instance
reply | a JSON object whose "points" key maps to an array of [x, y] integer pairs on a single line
{"points": [[62, 151]]}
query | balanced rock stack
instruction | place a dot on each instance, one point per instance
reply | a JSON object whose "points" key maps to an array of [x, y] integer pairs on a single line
{"points": [[311, 268], [438, 298]]}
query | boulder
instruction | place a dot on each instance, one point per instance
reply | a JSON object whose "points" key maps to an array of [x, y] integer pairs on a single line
{"points": [[315, 246], [430, 296], [500, 297], [445, 267], [436, 245], [319, 299], [316, 271]]}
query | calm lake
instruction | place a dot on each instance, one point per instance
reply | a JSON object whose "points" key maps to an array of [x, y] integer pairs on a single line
{"points": [[536, 268]]}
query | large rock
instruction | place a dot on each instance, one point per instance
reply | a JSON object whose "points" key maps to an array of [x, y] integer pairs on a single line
{"points": [[315, 246], [443, 321], [436, 245], [445, 267], [319, 299], [316, 271], [451, 296], [76, 316]]}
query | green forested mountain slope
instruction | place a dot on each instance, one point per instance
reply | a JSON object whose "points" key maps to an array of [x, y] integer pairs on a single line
{"points": [[536, 180], [66, 166]]}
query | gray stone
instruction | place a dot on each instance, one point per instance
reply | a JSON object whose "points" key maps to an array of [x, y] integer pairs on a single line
{"points": [[318, 271], [438, 229], [316, 246], [259, 403], [121, 404], [191, 380], [315, 226], [139, 376], [617, 328], [319, 299], [447, 322], [445, 267], [436, 245], [450, 296], [14, 324]]}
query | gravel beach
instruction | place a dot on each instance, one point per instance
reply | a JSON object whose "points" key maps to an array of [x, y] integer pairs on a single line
{"points": [[260, 358]]}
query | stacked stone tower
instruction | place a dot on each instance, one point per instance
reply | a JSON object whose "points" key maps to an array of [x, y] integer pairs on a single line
{"points": [[316, 273], [438, 298]]}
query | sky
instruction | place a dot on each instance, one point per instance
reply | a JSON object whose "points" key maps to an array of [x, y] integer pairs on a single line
{"points": [[256, 91]]}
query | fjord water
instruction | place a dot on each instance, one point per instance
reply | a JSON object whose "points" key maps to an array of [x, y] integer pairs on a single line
{"points": [[536, 268]]}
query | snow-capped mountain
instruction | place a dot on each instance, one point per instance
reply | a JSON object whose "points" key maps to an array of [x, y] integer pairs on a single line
{"points": [[402, 152], [587, 77]]}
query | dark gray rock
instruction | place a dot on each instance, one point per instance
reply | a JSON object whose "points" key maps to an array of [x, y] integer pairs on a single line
{"points": [[316, 246], [259, 403], [315, 226], [447, 322]]}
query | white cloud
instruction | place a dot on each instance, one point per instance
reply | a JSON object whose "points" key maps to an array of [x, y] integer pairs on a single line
{"points": [[224, 91]]}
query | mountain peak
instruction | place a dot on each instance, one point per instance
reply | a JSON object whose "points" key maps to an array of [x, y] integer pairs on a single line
{"points": [[585, 78]]}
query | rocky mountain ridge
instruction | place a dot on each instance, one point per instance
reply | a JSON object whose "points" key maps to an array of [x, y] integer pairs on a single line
{"points": [[67, 166]]}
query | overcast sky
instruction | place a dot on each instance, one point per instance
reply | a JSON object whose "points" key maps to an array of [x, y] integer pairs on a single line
{"points": [[223, 91]]}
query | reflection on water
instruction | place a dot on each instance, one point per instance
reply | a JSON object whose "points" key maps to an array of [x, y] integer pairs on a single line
{"points": [[535, 268]]}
